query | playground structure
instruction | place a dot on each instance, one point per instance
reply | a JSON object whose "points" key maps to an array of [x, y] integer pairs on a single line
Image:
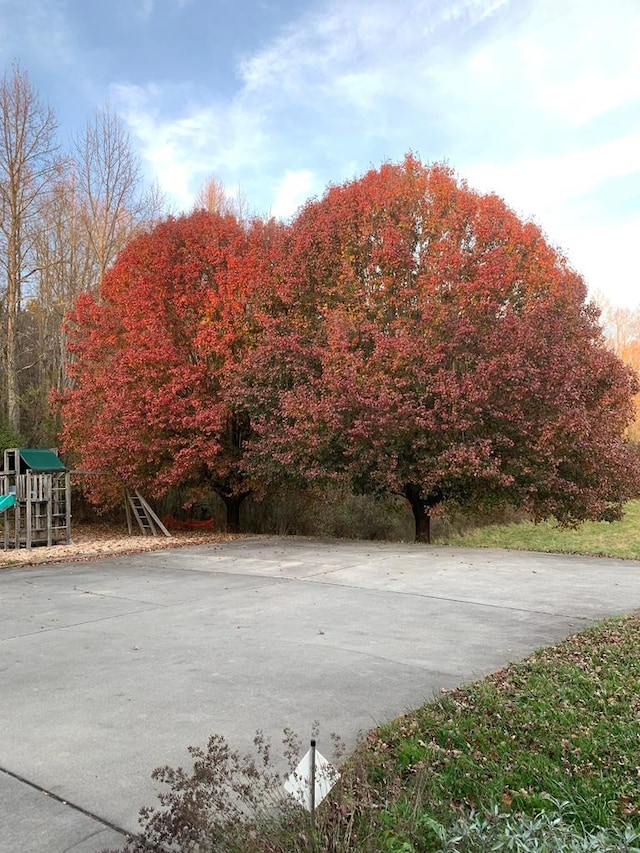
{"points": [[35, 499]]}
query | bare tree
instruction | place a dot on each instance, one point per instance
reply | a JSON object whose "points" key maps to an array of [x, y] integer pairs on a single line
{"points": [[111, 190], [213, 197], [62, 223], [27, 166], [96, 203], [66, 266]]}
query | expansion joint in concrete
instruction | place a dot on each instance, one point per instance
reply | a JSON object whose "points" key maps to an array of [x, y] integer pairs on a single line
{"points": [[106, 823]]}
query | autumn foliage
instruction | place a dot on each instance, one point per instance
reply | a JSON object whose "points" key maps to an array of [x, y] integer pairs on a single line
{"points": [[403, 334], [151, 359], [621, 328]]}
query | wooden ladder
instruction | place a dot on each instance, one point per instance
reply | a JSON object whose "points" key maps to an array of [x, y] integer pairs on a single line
{"points": [[148, 521]]}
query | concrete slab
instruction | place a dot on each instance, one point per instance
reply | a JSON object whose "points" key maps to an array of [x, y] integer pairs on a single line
{"points": [[111, 668], [34, 822]]}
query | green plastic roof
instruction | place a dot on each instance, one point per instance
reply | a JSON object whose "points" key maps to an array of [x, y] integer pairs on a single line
{"points": [[41, 460]]}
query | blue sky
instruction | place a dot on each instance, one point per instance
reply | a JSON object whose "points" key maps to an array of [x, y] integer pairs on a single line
{"points": [[537, 100]]}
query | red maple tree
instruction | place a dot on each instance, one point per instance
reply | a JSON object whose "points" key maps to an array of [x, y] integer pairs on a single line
{"points": [[425, 341], [152, 355]]}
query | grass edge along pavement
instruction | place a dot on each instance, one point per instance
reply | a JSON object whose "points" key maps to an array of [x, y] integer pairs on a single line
{"points": [[594, 538], [561, 727], [542, 755]]}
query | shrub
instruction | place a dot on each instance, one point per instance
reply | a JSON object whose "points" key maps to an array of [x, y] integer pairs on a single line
{"points": [[229, 802]]}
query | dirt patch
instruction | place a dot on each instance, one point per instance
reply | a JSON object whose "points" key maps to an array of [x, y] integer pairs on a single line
{"points": [[92, 541]]}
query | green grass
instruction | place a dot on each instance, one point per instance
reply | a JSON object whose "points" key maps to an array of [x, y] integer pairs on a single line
{"points": [[615, 539], [561, 727]]}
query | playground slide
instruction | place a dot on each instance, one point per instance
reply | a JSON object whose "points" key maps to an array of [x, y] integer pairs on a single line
{"points": [[6, 501]]}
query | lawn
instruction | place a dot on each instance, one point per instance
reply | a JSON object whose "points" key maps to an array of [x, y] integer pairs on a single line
{"points": [[557, 733], [602, 538]]}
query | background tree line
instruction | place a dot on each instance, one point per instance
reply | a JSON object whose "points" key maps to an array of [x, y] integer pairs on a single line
{"points": [[621, 328], [65, 213]]}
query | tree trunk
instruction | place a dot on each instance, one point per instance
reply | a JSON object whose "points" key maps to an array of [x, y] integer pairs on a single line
{"points": [[421, 513], [13, 308], [421, 508], [422, 518], [232, 504]]}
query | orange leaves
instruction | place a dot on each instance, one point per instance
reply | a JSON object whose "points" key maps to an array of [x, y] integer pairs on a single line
{"points": [[153, 356]]}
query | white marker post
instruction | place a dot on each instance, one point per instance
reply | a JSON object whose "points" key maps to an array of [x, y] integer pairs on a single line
{"points": [[312, 780]]}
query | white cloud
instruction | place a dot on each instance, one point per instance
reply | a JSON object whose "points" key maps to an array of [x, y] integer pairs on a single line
{"points": [[295, 188], [145, 9], [183, 152], [26, 27], [593, 93], [607, 256], [537, 185], [580, 59], [349, 69], [518, 97], [357, 48], [561, 192]]}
